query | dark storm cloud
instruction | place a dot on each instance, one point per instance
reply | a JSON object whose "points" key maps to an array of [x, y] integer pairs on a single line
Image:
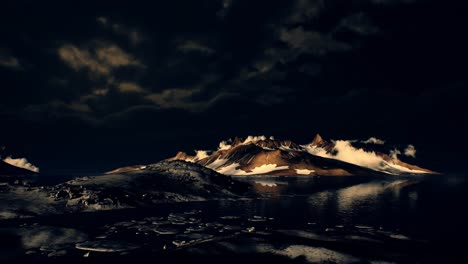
{"points": [[134, 35], [194, 46], [147, 74], [101, 60], [305, 10], [358, 23], [311, 42], [9, 61]]}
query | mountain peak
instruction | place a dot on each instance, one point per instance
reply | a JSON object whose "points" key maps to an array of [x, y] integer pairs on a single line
{"points": [[318, 140], [182, 156], [237, 141], [257, 155]]}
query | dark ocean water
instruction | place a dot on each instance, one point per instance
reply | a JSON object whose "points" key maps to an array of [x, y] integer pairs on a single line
{"points": [[431, 206], [413, 219]]}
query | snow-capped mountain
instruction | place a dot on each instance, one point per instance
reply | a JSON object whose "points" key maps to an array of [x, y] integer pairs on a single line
{"points": [[259, 155]]}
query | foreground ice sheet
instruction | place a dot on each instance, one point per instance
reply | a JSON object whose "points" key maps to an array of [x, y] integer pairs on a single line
{"points": [[196, 231], [312, 254]]}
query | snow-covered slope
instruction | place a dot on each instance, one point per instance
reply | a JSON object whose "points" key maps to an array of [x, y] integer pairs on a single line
{"points": [[162, 182], [165, 181], [257, 155], [364, 155]]}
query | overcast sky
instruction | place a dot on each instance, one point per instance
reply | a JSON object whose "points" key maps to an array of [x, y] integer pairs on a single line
{"points": [[89, 87]]}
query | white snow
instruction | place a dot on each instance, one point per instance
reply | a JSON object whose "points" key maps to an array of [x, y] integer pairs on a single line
{"points": [[201, 154], [317, 151], [311, 254], [266, 148], [223, 145], [285, 148], [232, 169], [216, 164], [253, 139], [304, 171], [408, 170]]}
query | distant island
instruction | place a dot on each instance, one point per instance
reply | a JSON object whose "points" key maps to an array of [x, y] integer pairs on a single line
{"points": [[260, 155]]}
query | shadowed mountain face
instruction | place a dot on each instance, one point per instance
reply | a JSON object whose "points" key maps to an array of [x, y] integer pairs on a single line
{"points": [[162, 182], [261, 155]]}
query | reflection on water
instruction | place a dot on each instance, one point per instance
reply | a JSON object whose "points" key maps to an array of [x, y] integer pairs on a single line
{"points": [[334, 219], [358, 194], [429, 206]]}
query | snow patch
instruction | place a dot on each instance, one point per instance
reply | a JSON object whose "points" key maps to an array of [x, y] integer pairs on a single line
{"points": [[201, 154], [285, 148], [304, 171], [224, 145], [408, 170], [253, 139], [232, 169], [216, 164], [316, 254]]}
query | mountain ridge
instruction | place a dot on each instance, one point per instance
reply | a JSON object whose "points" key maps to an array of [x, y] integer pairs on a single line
{"points": [[261, 155], [257, 155]]}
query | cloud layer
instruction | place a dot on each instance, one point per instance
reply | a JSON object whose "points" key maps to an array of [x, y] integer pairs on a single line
{"points": [[410, 151], [347, 153], [344, 150], [99, 60], [21, 163], [374, 140]]}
